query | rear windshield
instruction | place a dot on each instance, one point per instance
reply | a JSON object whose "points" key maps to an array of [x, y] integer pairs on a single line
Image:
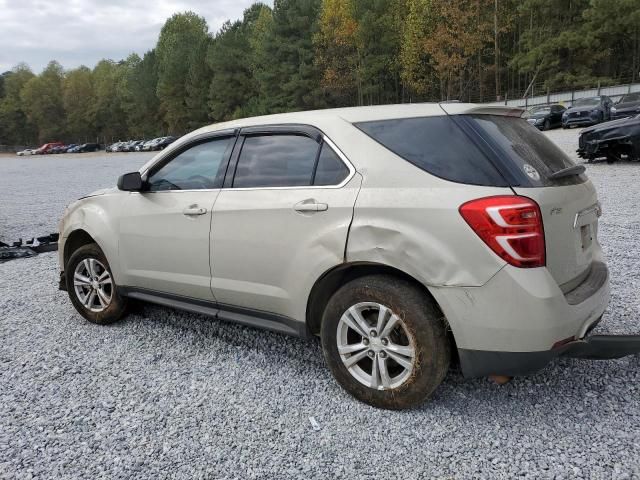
{"points": [[489, 150], [520, 145]]}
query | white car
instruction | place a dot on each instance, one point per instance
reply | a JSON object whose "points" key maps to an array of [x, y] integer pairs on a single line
{"points": [[398, 234], [25, 152]]}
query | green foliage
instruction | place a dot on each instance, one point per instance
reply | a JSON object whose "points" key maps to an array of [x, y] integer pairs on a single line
{"points": [[15, 128], [41, 100], [287, 76], [79, 99], [182, 38], [305, 54]]}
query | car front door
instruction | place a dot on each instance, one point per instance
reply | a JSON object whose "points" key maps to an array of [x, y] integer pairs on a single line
{"points": [[281, 221], [164, 230]]}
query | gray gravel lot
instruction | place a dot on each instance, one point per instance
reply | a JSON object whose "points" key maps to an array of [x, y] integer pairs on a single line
{"points": [[166, 394]]}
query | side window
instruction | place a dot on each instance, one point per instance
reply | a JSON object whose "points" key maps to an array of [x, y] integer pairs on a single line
{"points": [[276, 161], [331, 170], [193, 169]]}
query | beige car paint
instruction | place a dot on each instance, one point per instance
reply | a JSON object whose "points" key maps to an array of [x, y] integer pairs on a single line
{"points": [[266, 256], [161, 247]]}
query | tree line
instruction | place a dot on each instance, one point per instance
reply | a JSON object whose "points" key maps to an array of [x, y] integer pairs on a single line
{"points": [[306, 54]]}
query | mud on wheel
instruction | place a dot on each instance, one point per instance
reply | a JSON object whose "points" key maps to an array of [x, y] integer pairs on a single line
{"points": [[385, 341], [91, 286]]}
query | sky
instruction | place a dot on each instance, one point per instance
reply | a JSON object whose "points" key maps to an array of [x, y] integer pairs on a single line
{"points": [[82, 32]]}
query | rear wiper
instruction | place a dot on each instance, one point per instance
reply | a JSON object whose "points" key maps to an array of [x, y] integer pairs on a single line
{"points": [[568, 172]]}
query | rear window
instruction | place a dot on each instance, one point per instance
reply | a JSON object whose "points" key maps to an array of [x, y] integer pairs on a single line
{"points": [[438, 146], [529, 155]]}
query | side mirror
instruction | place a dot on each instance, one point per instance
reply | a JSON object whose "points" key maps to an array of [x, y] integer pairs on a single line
{"points": [[130, 182]]}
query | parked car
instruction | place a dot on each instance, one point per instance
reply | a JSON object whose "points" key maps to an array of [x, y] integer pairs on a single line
{"points": [[69, 147], [89, 147], [614, 141], [46, 148], [627, 106], [388, 231], [85, 147], [114, 147], [151, 144], [546, 117], [26, 152], [588, 111], [164, 142]]}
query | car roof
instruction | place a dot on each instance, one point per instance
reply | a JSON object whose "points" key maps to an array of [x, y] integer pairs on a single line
{"points": [[365, 114]]}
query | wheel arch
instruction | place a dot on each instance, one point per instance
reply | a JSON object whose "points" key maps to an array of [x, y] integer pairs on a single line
{"points": [[333, 279], [76, 239]]}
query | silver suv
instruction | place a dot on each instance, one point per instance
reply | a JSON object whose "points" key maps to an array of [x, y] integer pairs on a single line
{"points": [[405, 236]]}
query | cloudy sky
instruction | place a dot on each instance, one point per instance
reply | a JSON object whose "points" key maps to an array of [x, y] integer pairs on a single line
{"points": [[81, 32]]}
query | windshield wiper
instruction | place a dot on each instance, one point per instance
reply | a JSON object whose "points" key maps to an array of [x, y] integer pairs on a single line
{"points": [[568, 172]]}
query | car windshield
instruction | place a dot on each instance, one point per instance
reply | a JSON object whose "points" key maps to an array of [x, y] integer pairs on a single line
{"points": [[536, 110], [587, 102], [630, 97]]}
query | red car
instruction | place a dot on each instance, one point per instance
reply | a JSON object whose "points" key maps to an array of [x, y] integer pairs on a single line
{"points": [[47, 147]]}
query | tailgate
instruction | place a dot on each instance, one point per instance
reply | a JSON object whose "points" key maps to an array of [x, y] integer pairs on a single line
{"points": [[570, 215]]}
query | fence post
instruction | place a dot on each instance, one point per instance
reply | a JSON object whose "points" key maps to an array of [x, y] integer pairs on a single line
{"points": [[526, 102], [598, 87], [548, 96]]}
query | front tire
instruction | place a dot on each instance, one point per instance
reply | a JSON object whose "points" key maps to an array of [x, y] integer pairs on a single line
{"points": [[91, 286], [385, 341]]}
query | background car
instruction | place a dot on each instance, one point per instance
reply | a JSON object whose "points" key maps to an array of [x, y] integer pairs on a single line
{"points": [[627, 106], [164, 142], [85, 147], [47, 147], [26, 151], [545, 117], [588, 111]]}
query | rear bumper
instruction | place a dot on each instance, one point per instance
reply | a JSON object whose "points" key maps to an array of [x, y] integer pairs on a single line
{"points": [[520, 320], [476, 363]]}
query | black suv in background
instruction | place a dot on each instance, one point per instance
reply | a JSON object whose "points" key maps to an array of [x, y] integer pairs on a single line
{"points": [[546, 117], [627, 106], [588, 111]]}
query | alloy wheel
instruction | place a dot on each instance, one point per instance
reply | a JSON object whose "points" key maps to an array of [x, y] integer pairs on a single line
{"points": [[375, 346], [93, 284]]}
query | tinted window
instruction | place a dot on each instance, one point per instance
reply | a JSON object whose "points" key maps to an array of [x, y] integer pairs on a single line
{"points": [[436, 145], [331, 170], [276, 161], [193, 169], [521, 144]]}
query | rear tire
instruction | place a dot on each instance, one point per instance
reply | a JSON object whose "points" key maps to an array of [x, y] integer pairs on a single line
{"points": [[546, 126], [398, 366], [91, 286]]}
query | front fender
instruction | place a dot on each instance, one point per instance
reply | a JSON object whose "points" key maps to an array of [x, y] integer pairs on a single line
{"points": [[97, 217]]}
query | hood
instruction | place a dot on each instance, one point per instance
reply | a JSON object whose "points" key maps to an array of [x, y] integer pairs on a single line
{"points": [[627, 106], [102, 191], [613, 124]]}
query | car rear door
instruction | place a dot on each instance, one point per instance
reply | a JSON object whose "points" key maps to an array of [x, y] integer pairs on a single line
{"points": [[282, 219], [164, 230]]}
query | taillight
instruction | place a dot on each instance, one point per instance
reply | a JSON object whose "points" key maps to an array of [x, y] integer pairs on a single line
{"points": [[511, 226]]}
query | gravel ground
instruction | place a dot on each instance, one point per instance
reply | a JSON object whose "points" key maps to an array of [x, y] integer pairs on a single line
{"points": [[166, 394]]}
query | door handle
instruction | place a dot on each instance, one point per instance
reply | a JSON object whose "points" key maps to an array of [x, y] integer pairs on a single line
{"points": [[310, 205], [193, 210]]}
